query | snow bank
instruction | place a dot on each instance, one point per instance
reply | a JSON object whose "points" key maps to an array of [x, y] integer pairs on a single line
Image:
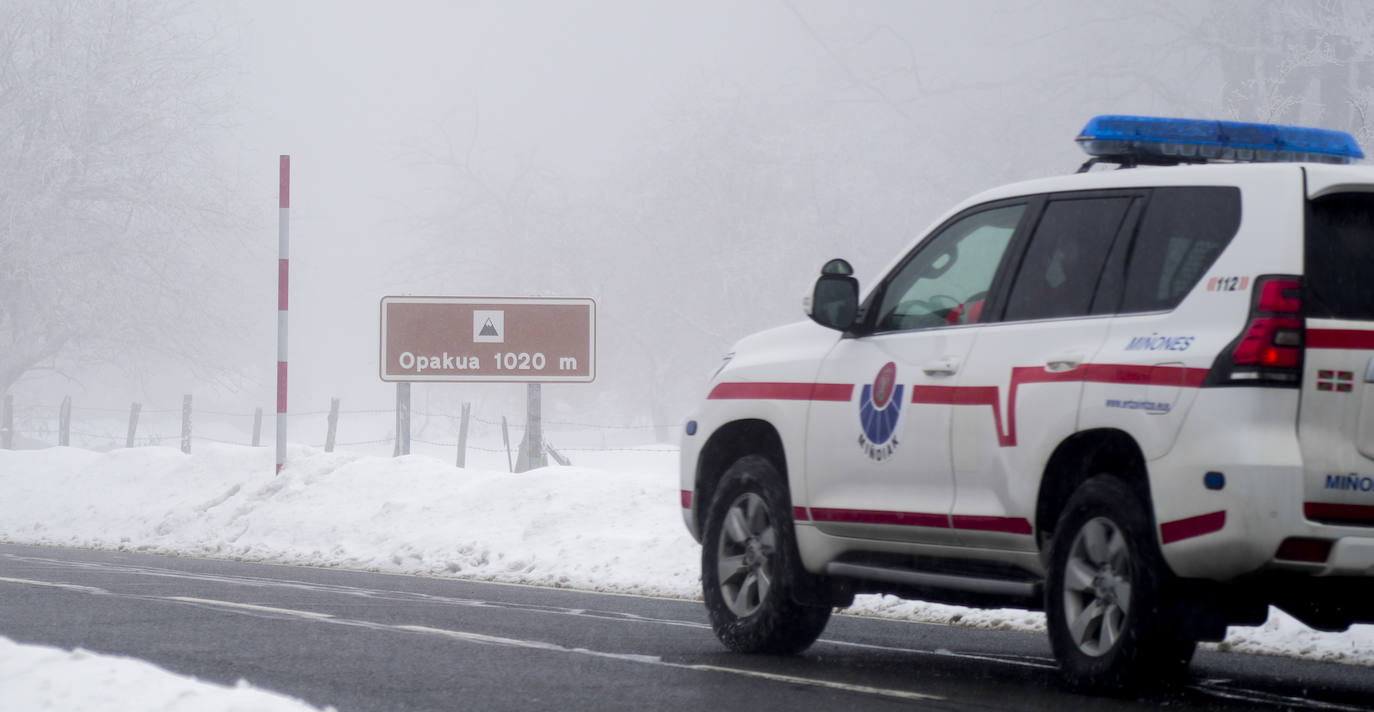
{"points": [[612, 526], [598, 529], [35, 677]]}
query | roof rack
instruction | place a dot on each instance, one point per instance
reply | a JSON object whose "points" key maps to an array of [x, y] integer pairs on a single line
{"points": [[1152, 141]]}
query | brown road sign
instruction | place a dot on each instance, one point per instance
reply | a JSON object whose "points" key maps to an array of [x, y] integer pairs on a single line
{"points": [[491, 339]]}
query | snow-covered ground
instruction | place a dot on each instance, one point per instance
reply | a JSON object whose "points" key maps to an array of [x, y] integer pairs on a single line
{"points": [[612, 523], [37, 677]]}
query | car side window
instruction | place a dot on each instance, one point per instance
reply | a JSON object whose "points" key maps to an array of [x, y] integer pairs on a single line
{"points": [[1059, 273], [1181, 235], [947, 278]]}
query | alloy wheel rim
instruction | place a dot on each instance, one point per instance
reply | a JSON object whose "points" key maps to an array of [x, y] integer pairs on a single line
{"points": [[746, 554], [1097, 587]]}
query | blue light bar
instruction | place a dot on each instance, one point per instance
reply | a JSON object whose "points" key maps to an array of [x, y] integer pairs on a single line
{"points": [[1132, 140]]}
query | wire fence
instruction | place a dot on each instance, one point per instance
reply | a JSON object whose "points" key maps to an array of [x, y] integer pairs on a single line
{"points": [[36, 425]]}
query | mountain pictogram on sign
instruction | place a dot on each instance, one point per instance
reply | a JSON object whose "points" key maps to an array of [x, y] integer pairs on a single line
{"points": [[488, 326]]}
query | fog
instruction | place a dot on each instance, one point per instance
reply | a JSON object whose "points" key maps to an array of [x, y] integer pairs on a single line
{"points": [[688, 164]]}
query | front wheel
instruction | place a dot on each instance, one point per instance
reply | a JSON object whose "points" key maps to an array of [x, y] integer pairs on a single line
{"points": [[750, 568], [1108, 602]]}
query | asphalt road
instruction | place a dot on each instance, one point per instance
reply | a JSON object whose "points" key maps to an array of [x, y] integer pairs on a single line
{"points": [[367, 642]]}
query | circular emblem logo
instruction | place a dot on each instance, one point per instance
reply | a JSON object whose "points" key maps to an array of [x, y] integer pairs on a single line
{"points": [[883, 385], [880, 407]]}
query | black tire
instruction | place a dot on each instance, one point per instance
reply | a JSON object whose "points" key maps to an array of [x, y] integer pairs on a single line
{"points": [[750, 568], [1109, 605]]}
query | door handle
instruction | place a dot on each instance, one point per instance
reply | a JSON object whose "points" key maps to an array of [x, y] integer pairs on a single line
{"points": [[1063, 362], [947, 366]]}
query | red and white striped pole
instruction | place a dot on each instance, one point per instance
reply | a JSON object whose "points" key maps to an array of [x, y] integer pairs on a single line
{"points": [[283, 271]]}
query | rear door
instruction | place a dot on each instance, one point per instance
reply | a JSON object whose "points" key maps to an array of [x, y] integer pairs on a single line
{"points": [[1156, 354], [1020, 390], [1336, 422]]}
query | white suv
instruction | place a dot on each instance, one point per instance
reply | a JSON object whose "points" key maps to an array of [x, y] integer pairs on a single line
{"points": [[1139, 400]]}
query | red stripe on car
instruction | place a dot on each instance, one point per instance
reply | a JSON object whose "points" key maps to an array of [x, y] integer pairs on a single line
{"points": [[1009, 525], [1180, 529], [991, 396], [1344, 512], [1340, 339], [875, 516], [782, 391]]}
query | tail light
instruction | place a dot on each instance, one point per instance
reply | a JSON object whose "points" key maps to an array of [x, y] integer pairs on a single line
{"points": [[1269, 351], [1295, 548]]}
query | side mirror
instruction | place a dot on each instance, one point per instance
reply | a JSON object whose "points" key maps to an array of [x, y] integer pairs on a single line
{"points": [[834, 302]]}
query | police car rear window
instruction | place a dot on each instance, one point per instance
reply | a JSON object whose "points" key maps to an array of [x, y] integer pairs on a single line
{"points": [[1181, 234], [1339, 257], [1060, 270]]}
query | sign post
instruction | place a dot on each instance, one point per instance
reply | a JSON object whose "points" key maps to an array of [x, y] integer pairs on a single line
{"points": [[534, 429], [402, 420], [531, 340]]}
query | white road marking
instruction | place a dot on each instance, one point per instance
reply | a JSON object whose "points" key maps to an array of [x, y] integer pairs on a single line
{"points": [[660, 662], [54, 584], [529, 644], [1002, 659], [485, 639], [813, 682], [370, 593], [246, 606], [1215, 688]]}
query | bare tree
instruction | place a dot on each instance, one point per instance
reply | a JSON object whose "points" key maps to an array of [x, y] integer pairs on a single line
{"points": [[1305, 62], [111, 214]]}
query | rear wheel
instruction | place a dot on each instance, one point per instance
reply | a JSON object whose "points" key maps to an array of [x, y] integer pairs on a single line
{"points": [[750, 569], [1111, 613]]}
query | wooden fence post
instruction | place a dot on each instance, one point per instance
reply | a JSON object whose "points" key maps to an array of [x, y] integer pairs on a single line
{"points": [[257, 427], [557, 456], [64, 422], [133, 424], [7, 423], [186, 424], [463, 436], [333, 424]]}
